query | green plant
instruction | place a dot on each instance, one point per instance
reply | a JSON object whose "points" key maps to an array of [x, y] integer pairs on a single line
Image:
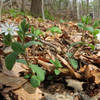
{"points": [[92, 29], [62, 21], [57, 66], [70, 55], [55, 29], [48, 15], [36, 74], [72, 60], [14, 13]]}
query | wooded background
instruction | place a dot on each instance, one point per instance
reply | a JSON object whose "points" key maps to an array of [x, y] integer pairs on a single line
{"points": [[65, 9]]}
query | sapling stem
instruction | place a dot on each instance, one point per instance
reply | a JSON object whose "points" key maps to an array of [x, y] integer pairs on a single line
{"points": [[24, 55]]}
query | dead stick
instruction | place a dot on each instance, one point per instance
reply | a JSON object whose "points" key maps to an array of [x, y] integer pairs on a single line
{"points": [[69, 67], [46, 65]]}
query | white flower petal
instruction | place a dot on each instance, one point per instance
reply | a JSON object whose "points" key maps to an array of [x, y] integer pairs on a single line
{"points": [[6, 33], [9, 29], [98, 36]]}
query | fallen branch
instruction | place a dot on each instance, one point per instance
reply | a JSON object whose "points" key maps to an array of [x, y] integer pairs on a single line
{"points": [[77, 75]]}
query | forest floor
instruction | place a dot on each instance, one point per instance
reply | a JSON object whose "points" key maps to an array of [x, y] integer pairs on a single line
{"points": [[79, 78]]}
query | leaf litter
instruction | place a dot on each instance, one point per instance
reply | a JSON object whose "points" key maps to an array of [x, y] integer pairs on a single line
{"points": [[75, 82]]}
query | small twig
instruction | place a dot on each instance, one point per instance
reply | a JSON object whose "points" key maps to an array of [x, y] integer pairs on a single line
{"points": [[24, 55], [51, 55], [46, 65]]}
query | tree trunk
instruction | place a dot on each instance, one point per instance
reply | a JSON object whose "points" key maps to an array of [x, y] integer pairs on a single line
{"points": [[87, 7], [22, 7], [75, 9], [78, 11], [1, 4], [36, 8], [98, 9], [43, 15]]}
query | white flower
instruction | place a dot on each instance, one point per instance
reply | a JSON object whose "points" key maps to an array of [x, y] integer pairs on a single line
{"points": [[9, 29], [98, 36]]}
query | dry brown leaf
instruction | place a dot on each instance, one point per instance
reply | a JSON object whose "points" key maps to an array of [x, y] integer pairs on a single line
{"points": [[76, 37], [27, 92], [96, 74], [18, 67], [92, 70], [77, 85], [12, 83]]}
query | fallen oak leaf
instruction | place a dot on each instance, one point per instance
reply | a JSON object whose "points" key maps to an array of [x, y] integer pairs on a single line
{"points": [[15, 72], [12, 83], [27, 92], [77, 85], [96, 74], [92, 71]]}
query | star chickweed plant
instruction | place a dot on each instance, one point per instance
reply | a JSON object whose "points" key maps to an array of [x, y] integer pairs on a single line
{"points": [[8, 31], [35, 74]]}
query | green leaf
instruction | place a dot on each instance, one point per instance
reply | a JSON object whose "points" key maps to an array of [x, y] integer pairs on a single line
{"points": [[73, 62], [80, 25], [90, 29], [30, 43], [17, 47], [69, 54], [10, 60], [86, 19], [38, 32], [96, 24], [23, 27], [27, 76], [39, 71], [7, 40], [32, 30], [21, 61], [23, 23], [57, 72], [96, 31], [56, 63], [62, 21], [83, 19], [35, 82], [91, 46], [21, 34], [55, 30]]}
